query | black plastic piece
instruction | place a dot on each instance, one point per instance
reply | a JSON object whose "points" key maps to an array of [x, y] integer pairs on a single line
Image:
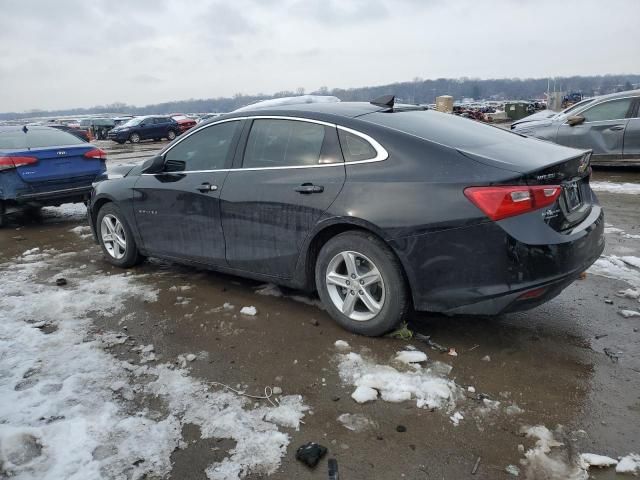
{"points": [[310, 453], [333, 469]]}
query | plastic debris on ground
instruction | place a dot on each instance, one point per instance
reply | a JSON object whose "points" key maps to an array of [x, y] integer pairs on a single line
{"points": [[310, 454], [356, 422]]}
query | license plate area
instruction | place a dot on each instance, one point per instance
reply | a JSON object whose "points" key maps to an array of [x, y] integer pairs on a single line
{"points": [[572, 195]]}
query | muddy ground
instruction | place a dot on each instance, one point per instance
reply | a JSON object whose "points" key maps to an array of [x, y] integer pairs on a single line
{"points": [[550, 361]]}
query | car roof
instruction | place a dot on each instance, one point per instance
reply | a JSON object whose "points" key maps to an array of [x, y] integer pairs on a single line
{"points": [[11, 128], [628, 93], [341, 109]]}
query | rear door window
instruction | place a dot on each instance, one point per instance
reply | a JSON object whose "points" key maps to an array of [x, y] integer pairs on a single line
{"points": [[283, 143], [611, 110], [207, 149], [355, 148]]}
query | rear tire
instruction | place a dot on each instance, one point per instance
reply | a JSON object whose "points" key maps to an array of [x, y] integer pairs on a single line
{"points": [[3, 214], [134, 138], [120, 142], [171, 135], [361, 283], [116, 238]]}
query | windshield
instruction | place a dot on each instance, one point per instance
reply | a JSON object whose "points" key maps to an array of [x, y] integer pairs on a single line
{"points": [[133, 122], [36, 138], [575, 107]]}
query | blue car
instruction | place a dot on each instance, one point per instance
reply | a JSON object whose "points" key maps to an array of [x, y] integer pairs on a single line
{"points": [[43, 166]]}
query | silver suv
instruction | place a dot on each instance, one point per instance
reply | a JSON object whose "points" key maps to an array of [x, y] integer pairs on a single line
{"points": [[609, 125]]}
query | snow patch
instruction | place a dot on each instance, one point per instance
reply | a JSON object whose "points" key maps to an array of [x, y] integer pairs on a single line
{"points": [[629, 464], [594, 460], [626, 188], [424, 385], [83, 231], [629, 313], [342, 345], [618, 268], [411, 356], [71, 410], [547, 460], [251, 311], [364, 394]]}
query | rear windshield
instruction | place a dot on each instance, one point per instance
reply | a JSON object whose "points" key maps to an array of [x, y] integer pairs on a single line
{"points": [[441, 128], [37, 138]]}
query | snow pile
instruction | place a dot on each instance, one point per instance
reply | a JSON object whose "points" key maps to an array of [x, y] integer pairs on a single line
{"points": [[342, 345], [629, 464], [626, 268], [71, 410], [424, 385], [628, 188]]}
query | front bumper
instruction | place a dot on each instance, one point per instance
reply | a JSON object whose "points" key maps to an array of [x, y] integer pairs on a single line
{"points": [[483, 270], [117, 135]]}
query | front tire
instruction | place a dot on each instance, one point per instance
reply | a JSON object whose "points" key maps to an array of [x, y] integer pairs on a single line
{"points": [[361, 284], [134, 138], [116, 238]]}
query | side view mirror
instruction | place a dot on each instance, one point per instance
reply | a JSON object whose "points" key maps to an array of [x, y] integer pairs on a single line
{"points": [[175, 166], [575, 120], [143, 124], [154, 165]]}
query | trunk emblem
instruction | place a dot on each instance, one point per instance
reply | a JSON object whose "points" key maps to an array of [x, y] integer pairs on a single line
{"points": [[61, 152]]}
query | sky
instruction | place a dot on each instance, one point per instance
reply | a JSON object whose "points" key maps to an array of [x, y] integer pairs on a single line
{"points": [[81, 53]]}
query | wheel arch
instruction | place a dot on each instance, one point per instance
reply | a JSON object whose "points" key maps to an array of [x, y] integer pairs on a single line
{"points": [[326, 231]]}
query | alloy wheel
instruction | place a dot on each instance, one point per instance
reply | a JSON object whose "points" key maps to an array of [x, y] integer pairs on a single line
{"points": [[171, 135], [355, 286], [113, 236], [135, 138]]}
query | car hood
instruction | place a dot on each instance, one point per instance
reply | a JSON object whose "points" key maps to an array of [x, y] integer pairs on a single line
{"points": [[538, 116], [532, 125]]}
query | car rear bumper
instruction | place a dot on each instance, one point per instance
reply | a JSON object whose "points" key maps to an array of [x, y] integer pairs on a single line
{"points": [[484, 270]]}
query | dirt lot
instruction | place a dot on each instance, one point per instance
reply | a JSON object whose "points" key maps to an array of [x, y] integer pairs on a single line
{"points": [[572, 366]]}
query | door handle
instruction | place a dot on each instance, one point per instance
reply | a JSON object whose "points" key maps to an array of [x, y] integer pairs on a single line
{"points": [[617, 127], [307, 188], [207, 187]]}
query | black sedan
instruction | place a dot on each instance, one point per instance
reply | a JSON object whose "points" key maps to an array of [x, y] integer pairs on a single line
{"points": [[381, 208]]}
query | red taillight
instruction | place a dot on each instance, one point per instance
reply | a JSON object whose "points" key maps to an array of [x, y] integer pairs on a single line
{"points": [[96, 153], [14, 162], [506, 201], [531, 294]]}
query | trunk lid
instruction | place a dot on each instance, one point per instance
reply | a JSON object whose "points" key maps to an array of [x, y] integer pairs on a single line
{"points": [[575, 201], [60, 163]]}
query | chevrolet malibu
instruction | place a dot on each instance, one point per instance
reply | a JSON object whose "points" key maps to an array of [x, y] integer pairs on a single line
{"points": [[381, 208]]}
